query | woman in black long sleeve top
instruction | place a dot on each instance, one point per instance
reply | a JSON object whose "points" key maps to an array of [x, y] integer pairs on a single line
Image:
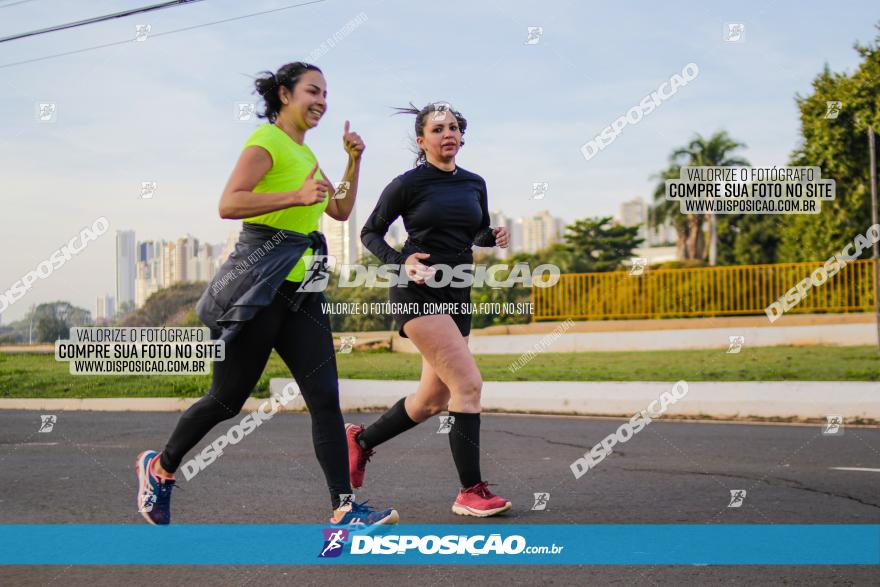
{"points": [[445, 212]]}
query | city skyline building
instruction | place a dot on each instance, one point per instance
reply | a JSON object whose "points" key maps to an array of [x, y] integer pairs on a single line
{"points": [[125, 267], [540, 231]]}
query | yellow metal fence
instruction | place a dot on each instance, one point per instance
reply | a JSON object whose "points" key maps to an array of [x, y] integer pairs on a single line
{"points": [[705, 291]]}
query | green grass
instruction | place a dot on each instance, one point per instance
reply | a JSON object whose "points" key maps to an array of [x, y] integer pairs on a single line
{"points": [[814, 363], [40, 376]]}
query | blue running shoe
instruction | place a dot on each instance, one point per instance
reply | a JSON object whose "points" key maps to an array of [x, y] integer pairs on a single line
{"points": [[362, 516], [154, 493]]}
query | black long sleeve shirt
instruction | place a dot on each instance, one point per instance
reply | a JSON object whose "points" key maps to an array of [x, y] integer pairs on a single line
{"points": [[444, 213]]}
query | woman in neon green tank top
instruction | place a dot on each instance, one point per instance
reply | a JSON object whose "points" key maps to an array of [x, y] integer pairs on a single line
{"points": [[276, 182]]}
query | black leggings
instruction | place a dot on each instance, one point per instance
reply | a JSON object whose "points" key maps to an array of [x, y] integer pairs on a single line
{"points": [[305, 343]]}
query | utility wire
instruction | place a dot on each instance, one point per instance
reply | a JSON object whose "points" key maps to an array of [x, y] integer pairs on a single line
{"points": [[15, 3], [95, 19], [35, 59]]}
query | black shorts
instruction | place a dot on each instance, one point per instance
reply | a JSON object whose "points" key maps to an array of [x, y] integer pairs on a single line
{"points": [[414, 301]]}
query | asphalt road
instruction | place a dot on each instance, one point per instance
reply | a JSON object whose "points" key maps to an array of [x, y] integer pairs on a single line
{"points": [[671, 472]]}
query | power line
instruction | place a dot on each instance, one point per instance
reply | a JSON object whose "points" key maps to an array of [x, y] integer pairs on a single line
{"points": [[95, 19], [15, 3], [35, 59]]}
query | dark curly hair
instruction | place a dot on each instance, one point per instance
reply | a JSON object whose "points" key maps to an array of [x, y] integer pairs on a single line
{"points": [[422, 114], [267, 85]]}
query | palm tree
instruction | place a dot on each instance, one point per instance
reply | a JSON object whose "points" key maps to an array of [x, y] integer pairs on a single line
{"points": [[688, 228], [712, 152]]}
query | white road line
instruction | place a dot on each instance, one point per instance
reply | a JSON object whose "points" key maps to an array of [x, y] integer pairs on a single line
{"points": [[855, 469]]}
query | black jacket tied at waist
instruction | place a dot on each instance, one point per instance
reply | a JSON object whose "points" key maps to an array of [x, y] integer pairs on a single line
{"points": [[249, 279]]}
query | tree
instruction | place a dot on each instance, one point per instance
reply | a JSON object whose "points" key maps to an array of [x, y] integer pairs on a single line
{"points": [[597, 245], [510, 296], [689, 243], [749, 239], [365, 320], [167, 307], [839, 147], [53, 320], [714, 151], [123, 310]]}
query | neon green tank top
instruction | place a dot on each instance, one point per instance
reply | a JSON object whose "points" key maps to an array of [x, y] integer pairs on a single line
{"points": [[291, 163]]}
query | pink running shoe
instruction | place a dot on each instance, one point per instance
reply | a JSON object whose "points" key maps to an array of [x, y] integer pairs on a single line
{"points": [[357, 456], [479, 501]]}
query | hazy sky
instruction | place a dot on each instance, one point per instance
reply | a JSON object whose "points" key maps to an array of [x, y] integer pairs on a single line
{"points": [[164, 109]]}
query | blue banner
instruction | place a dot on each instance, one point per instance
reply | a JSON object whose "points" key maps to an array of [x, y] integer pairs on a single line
{"points": [[594, 544]]}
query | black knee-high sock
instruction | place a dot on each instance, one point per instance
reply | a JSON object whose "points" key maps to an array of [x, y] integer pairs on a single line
{"points": [[389, 425], [464, 440]]}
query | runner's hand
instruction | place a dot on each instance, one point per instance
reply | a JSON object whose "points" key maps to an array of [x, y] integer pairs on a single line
{"points": [[353, 143], [417, 271], [313, 191], [502, 238]]}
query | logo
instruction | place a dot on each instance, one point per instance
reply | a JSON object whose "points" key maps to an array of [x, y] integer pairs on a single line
{"points": [[820, 275], [736, 343], [638, 266], [245, 111], [317, 275], [47, 422], [535, 33], [475, 545], [440, 110], [734, 32], [635, 114], [345, 501], [148, 504], [142, 31], [832, 109], [236, 433], [47, 112], [539, 190], [627, 430], [541, 500], [833, 426], [334, 542], [346, 343], [148, 189], [342, 188], [446, 423], [499, 275], [45, 268], [737, 497]]}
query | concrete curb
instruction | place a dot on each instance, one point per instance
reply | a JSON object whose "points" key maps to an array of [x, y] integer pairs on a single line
{"points": [[723, 400]]}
